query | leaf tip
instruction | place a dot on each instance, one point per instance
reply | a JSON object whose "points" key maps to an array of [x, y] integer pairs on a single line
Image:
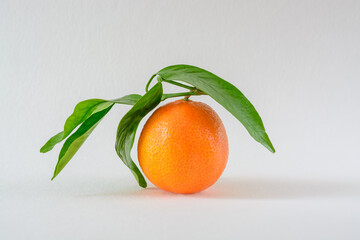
{"points": [[270, 147], [54, 176], [143, 184], [43, 150]]}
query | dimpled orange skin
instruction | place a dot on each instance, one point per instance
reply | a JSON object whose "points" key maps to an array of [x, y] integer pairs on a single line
{"points": [[183, 147]]}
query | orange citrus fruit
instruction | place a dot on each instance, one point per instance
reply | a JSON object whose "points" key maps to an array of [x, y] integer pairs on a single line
{"points": [[183, 147]]}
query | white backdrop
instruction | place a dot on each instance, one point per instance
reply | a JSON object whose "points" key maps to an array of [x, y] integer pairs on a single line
{"points": [[297, 61]]}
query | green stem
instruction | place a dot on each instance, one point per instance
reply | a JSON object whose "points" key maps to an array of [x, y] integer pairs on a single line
{"points": [[182, 94], [178, 84], [186, 98], [148, 83]]}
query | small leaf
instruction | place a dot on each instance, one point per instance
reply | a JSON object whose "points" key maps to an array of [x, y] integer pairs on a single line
{"points": [[128, 125], [74, 142], [130, 99], [83, 110], [52, 142], [224, 93]]}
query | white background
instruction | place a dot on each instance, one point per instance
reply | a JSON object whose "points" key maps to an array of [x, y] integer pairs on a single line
{"points": [[297, 61]]}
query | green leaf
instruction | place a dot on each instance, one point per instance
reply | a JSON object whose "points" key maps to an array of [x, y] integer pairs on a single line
{"points": [[224, 93], [52, 142], [128, 125], [74, 142], [130, 99], [83, 110]]}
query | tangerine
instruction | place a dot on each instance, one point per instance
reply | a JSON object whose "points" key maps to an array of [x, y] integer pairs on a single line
{"points": [[183, 147]]}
